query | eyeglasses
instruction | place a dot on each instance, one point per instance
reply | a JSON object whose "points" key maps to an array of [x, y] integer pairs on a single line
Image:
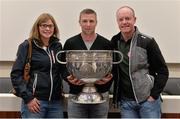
{"points": [[44, 26]]}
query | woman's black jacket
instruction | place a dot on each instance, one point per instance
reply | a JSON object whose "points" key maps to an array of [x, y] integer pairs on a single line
{"points": [[45, 75]]}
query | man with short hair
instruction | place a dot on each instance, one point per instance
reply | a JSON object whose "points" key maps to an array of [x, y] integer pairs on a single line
{"points": [[88, 39]]}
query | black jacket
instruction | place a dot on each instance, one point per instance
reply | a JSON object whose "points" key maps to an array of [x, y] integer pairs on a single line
{"points": [[147, 68], [76, 43], [46, 79]]}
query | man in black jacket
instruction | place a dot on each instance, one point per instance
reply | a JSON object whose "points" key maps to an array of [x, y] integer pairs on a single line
{"points": [[142, 75], [88, 40]]}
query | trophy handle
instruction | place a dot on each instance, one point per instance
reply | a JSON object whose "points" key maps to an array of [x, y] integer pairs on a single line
{"points": [[61, 62], [121, 55]]}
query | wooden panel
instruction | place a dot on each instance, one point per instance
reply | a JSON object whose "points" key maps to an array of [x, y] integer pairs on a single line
{"points": [[171, 115], [110, 115], [10, 115]]}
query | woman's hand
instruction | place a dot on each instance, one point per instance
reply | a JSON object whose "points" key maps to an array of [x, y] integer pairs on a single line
{"points": [[75, 81], [34, 105], [104, 80]]}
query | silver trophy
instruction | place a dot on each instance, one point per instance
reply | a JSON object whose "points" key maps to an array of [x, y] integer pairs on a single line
{"points": [[89, 66]]}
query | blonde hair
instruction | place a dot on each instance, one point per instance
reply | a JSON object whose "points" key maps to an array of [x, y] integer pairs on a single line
{"points": [[34, 34]]}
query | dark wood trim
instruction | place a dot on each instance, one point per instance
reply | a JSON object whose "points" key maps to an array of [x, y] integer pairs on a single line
{"points": [[171, 115], [14, 114]]}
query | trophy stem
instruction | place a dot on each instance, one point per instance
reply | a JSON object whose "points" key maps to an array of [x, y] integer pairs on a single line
{"points": [[89, 95], [89, 88]]}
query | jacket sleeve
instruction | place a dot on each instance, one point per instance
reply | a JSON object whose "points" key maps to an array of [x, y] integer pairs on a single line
{"points": [[115, 72], [63, 70], [19, 84], [158, 68], [104, 87]]}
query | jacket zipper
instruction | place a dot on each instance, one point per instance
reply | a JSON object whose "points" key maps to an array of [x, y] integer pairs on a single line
{"points": [[130, 50], [51, 77], [48, 53]]}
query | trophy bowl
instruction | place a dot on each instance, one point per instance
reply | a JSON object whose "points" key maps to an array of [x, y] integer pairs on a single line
{"points": [[89, 66]]}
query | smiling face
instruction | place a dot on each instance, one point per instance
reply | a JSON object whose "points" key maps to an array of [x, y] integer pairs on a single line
{"points": [[126, 20], [46, 30]]}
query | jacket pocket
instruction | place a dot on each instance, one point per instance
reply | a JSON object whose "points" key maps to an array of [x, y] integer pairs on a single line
{"points": [[151, 79]]}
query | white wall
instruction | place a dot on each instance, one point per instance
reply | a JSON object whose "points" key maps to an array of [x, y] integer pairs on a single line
{"points": [[157, 18]]}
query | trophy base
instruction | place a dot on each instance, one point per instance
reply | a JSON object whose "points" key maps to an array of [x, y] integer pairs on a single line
{"points": [[87, 102], [88, 98]]}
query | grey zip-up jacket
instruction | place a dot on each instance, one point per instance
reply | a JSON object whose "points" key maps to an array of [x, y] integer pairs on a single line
{"points": [[147, 68]]}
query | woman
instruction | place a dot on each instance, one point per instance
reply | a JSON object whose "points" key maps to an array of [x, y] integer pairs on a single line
{"points": [[41, 94]]}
